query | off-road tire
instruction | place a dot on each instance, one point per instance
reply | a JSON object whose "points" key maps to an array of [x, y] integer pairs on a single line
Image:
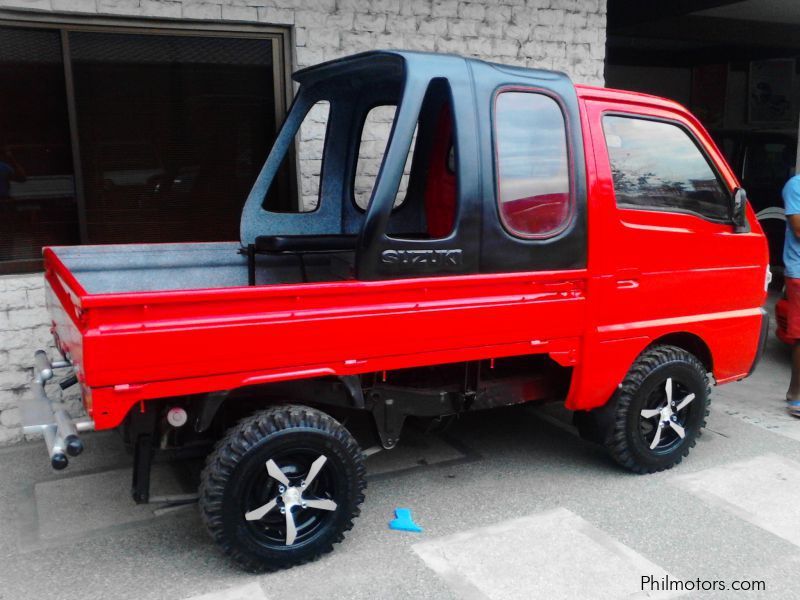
{"points": [[652, 368], [243, 451]]}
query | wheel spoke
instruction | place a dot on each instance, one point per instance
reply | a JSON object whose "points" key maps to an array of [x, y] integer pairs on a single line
{"points": [[316, 466], [649, 413], [684, 402], [256, 514], [678, 429], [276, 473], [322, 504], [291, 530], [656, 438], [668, 388]]}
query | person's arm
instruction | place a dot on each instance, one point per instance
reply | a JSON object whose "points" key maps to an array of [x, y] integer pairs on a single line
{"points": [[794, 224], [791, 204]]}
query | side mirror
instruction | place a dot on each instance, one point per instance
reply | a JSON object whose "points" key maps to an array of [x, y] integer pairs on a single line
{"points": [[739, 211]]}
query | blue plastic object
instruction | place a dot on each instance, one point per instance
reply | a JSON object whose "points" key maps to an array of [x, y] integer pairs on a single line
{"points": [[403, 521]]}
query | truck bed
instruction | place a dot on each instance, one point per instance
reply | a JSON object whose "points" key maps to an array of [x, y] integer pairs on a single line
{"points": [[151, 321], [149, 267], [126, 268]]}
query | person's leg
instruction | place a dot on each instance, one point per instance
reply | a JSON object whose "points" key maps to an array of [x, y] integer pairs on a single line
{"points": [[793, 331], [794, 383]]}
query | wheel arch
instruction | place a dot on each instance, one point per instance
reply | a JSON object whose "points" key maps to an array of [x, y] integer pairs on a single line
{"points": [[690, 342], [606, 424], [607, 363], [343, 391]]}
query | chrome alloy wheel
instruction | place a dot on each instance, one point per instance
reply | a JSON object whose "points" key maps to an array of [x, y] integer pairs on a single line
{"points": [[291, 497], [663, 424]]}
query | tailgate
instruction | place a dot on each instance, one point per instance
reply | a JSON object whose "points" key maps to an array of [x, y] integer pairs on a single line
{"points": [[39, 413]]}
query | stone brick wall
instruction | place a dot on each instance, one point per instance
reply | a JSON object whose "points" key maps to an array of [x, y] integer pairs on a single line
{"points": [[23, 329], [568, 35]]}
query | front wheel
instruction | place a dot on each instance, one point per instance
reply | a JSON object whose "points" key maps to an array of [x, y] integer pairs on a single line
{"points": [[282, 487], [660, 410]]}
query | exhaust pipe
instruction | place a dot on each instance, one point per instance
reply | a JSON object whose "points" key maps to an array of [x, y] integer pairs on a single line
{"points": [[40, 414]]}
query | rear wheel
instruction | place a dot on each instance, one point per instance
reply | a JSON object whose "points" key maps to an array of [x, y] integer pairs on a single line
{"points": [[282, 487], [660, 410]]}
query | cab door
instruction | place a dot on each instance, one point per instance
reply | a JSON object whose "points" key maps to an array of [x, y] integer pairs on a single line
{"points": [[663, 246]]}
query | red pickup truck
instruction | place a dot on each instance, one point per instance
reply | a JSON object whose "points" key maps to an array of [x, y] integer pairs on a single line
{"points": [[526, 239]]}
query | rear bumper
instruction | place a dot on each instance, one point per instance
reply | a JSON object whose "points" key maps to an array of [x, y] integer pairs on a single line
{"points": [[42, 415], [762, 341]]}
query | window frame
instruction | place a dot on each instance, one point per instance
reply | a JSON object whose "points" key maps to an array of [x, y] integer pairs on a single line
{"points": [[278, 36], [700, 148], [570, 163]]}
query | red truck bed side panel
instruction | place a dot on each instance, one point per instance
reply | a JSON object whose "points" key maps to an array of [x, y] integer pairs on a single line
{"points": [[146, 345]]}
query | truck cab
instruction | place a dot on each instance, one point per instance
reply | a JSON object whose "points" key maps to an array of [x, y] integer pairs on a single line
{"points": [[467, 236]]}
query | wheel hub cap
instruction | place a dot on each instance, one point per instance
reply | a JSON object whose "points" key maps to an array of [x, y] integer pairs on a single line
{"points": [[667, 414], [292, 496]]}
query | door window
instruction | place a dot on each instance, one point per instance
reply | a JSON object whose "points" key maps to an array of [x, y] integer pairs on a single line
{"points": [[532, 164], [656, 165]]}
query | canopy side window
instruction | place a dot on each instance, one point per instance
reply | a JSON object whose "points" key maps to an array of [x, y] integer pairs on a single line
{"points": [[532, 165]]}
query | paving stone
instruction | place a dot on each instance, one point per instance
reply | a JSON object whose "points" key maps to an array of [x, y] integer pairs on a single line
{"points": [[553, 554], [248, 591], [763, 491]]}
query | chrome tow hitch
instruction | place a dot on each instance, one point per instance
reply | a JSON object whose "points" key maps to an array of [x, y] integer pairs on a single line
{"points": [[41, 415]]}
